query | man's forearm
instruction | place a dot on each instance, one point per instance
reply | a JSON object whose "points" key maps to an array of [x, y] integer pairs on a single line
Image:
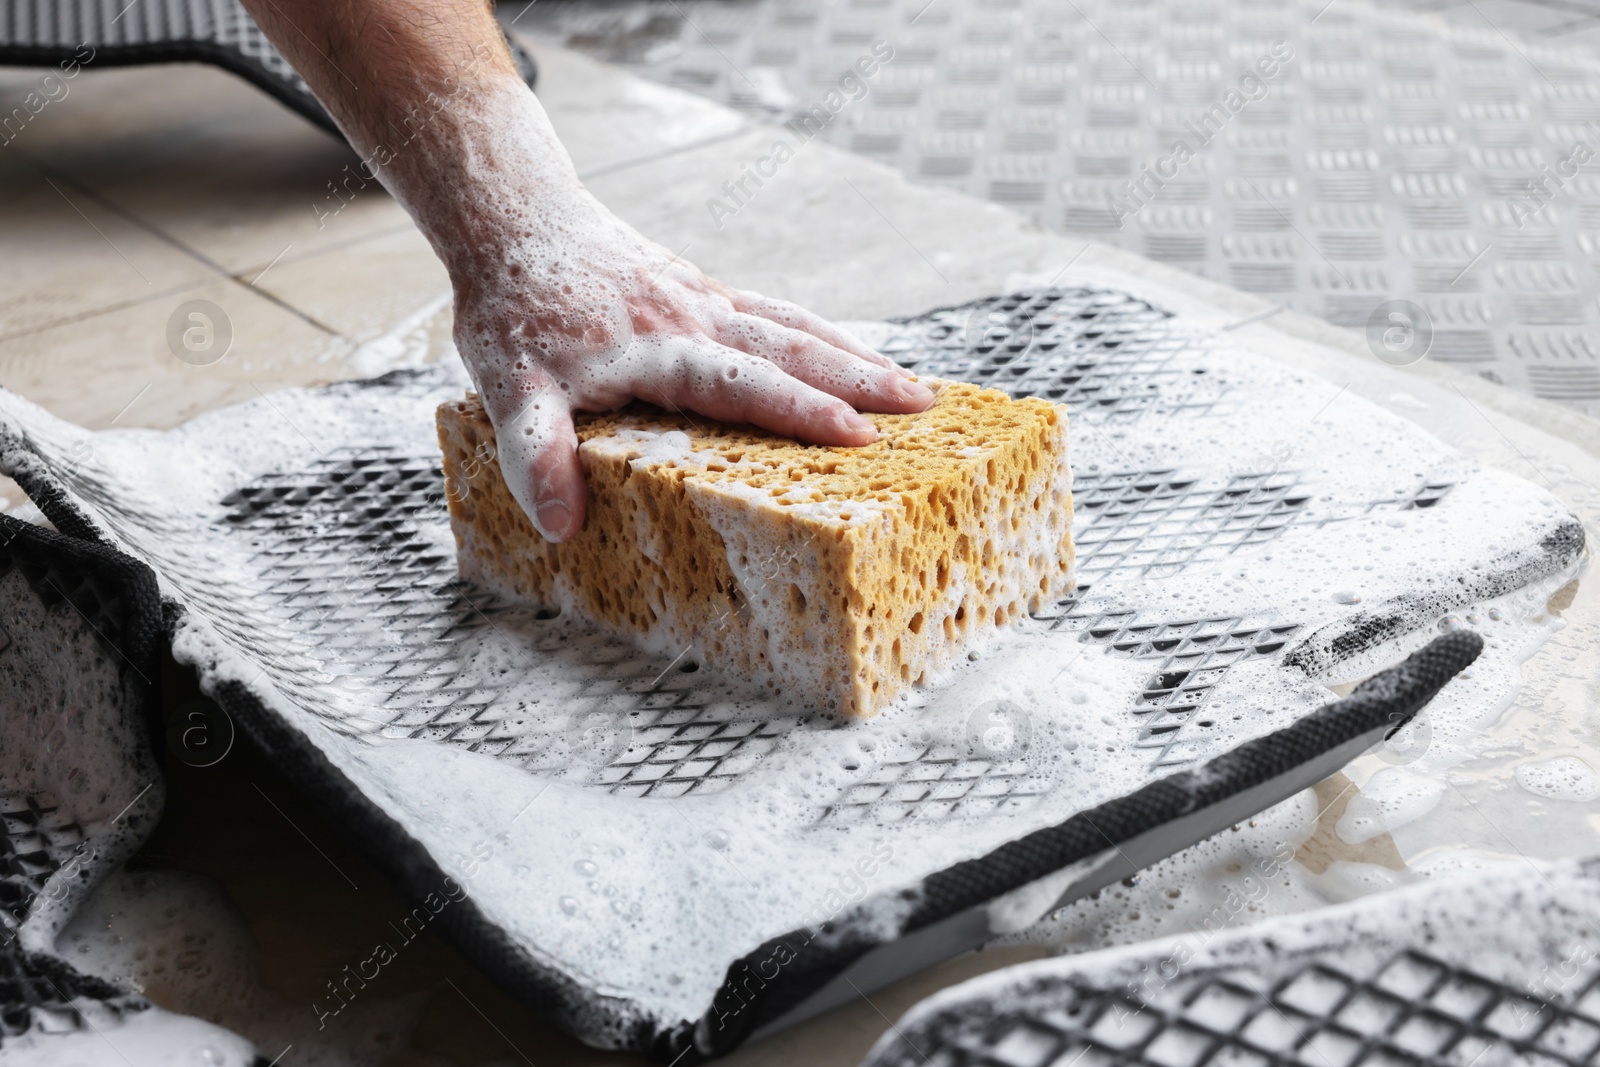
{"points": [[370, 61], [428, 94]]}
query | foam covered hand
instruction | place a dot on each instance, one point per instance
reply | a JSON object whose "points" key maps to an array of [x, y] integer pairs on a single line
{"points": [[579, 312], [561, 307]]}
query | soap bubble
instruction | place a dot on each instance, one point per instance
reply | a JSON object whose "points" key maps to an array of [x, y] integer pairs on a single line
{"points": [[607, 335], [1399, 332], [199, 733], [999, 730]]}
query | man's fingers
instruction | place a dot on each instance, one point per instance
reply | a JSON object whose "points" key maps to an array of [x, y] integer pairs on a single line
{"points": [[538, 453], [798, 318], [864, 385], [701, 376]]}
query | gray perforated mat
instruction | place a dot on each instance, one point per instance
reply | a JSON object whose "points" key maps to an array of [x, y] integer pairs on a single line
{"points": [[657, 857], [80, 789], [1392, 158], [1491, 972]]}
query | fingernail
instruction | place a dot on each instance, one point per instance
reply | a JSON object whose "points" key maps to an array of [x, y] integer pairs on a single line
{"points": [[553, 519], [905, 372], [913, 392], [856, 423]]}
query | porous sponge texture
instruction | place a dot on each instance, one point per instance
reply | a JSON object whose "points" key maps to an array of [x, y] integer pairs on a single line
{"points": [[838, 576]]}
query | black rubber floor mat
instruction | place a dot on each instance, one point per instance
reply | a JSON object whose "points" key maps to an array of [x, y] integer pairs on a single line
{"points": [[86, 33], [666, 862], [1491, 971], [80, 633]]}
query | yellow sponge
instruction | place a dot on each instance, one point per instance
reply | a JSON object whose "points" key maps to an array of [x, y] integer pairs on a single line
{"points": [[837, 576]]}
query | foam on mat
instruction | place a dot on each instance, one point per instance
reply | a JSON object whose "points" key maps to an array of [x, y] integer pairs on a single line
{"points": [[303, 543]]}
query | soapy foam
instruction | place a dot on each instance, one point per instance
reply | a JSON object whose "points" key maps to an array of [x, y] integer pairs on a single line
{"points": [[174, 938], [1562, 778], [769, 873], [1081, 751], [1550, 955], [1400, 785], [69, 749], [1363, 460], [1029, 671], [150, 1038]]}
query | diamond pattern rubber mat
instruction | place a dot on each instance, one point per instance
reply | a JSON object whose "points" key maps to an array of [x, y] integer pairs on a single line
{"points": [[655, 856], [39, 841], [80, 789], [92, 34], [1391, 158], [1427, 976]]}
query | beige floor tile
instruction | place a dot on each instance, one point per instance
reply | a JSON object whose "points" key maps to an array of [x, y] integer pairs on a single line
{"points": [[64, 253], [607, 119], [212, 161], [844, 236], [363, 289], [118, 367]]}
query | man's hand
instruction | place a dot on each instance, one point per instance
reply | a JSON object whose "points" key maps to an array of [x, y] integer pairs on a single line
{"points": [[560, 306]]}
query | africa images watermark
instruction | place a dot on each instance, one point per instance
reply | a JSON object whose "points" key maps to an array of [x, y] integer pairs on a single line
{"points": [[1537, 193], [350, 981], [750, 976], [51, 88], [851, 87], [1252, 86], [1257, 886]]}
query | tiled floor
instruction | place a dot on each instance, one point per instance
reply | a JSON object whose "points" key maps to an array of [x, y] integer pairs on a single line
{"points": [[148, 187]]}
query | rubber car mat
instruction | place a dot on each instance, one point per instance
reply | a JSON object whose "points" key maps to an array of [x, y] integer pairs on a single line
{"points": [[72, 34], [1432, 974], [80, 789], [664, 861]]}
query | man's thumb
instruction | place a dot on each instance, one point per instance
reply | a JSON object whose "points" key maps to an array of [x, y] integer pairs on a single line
{"points": [[538, 453]]}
